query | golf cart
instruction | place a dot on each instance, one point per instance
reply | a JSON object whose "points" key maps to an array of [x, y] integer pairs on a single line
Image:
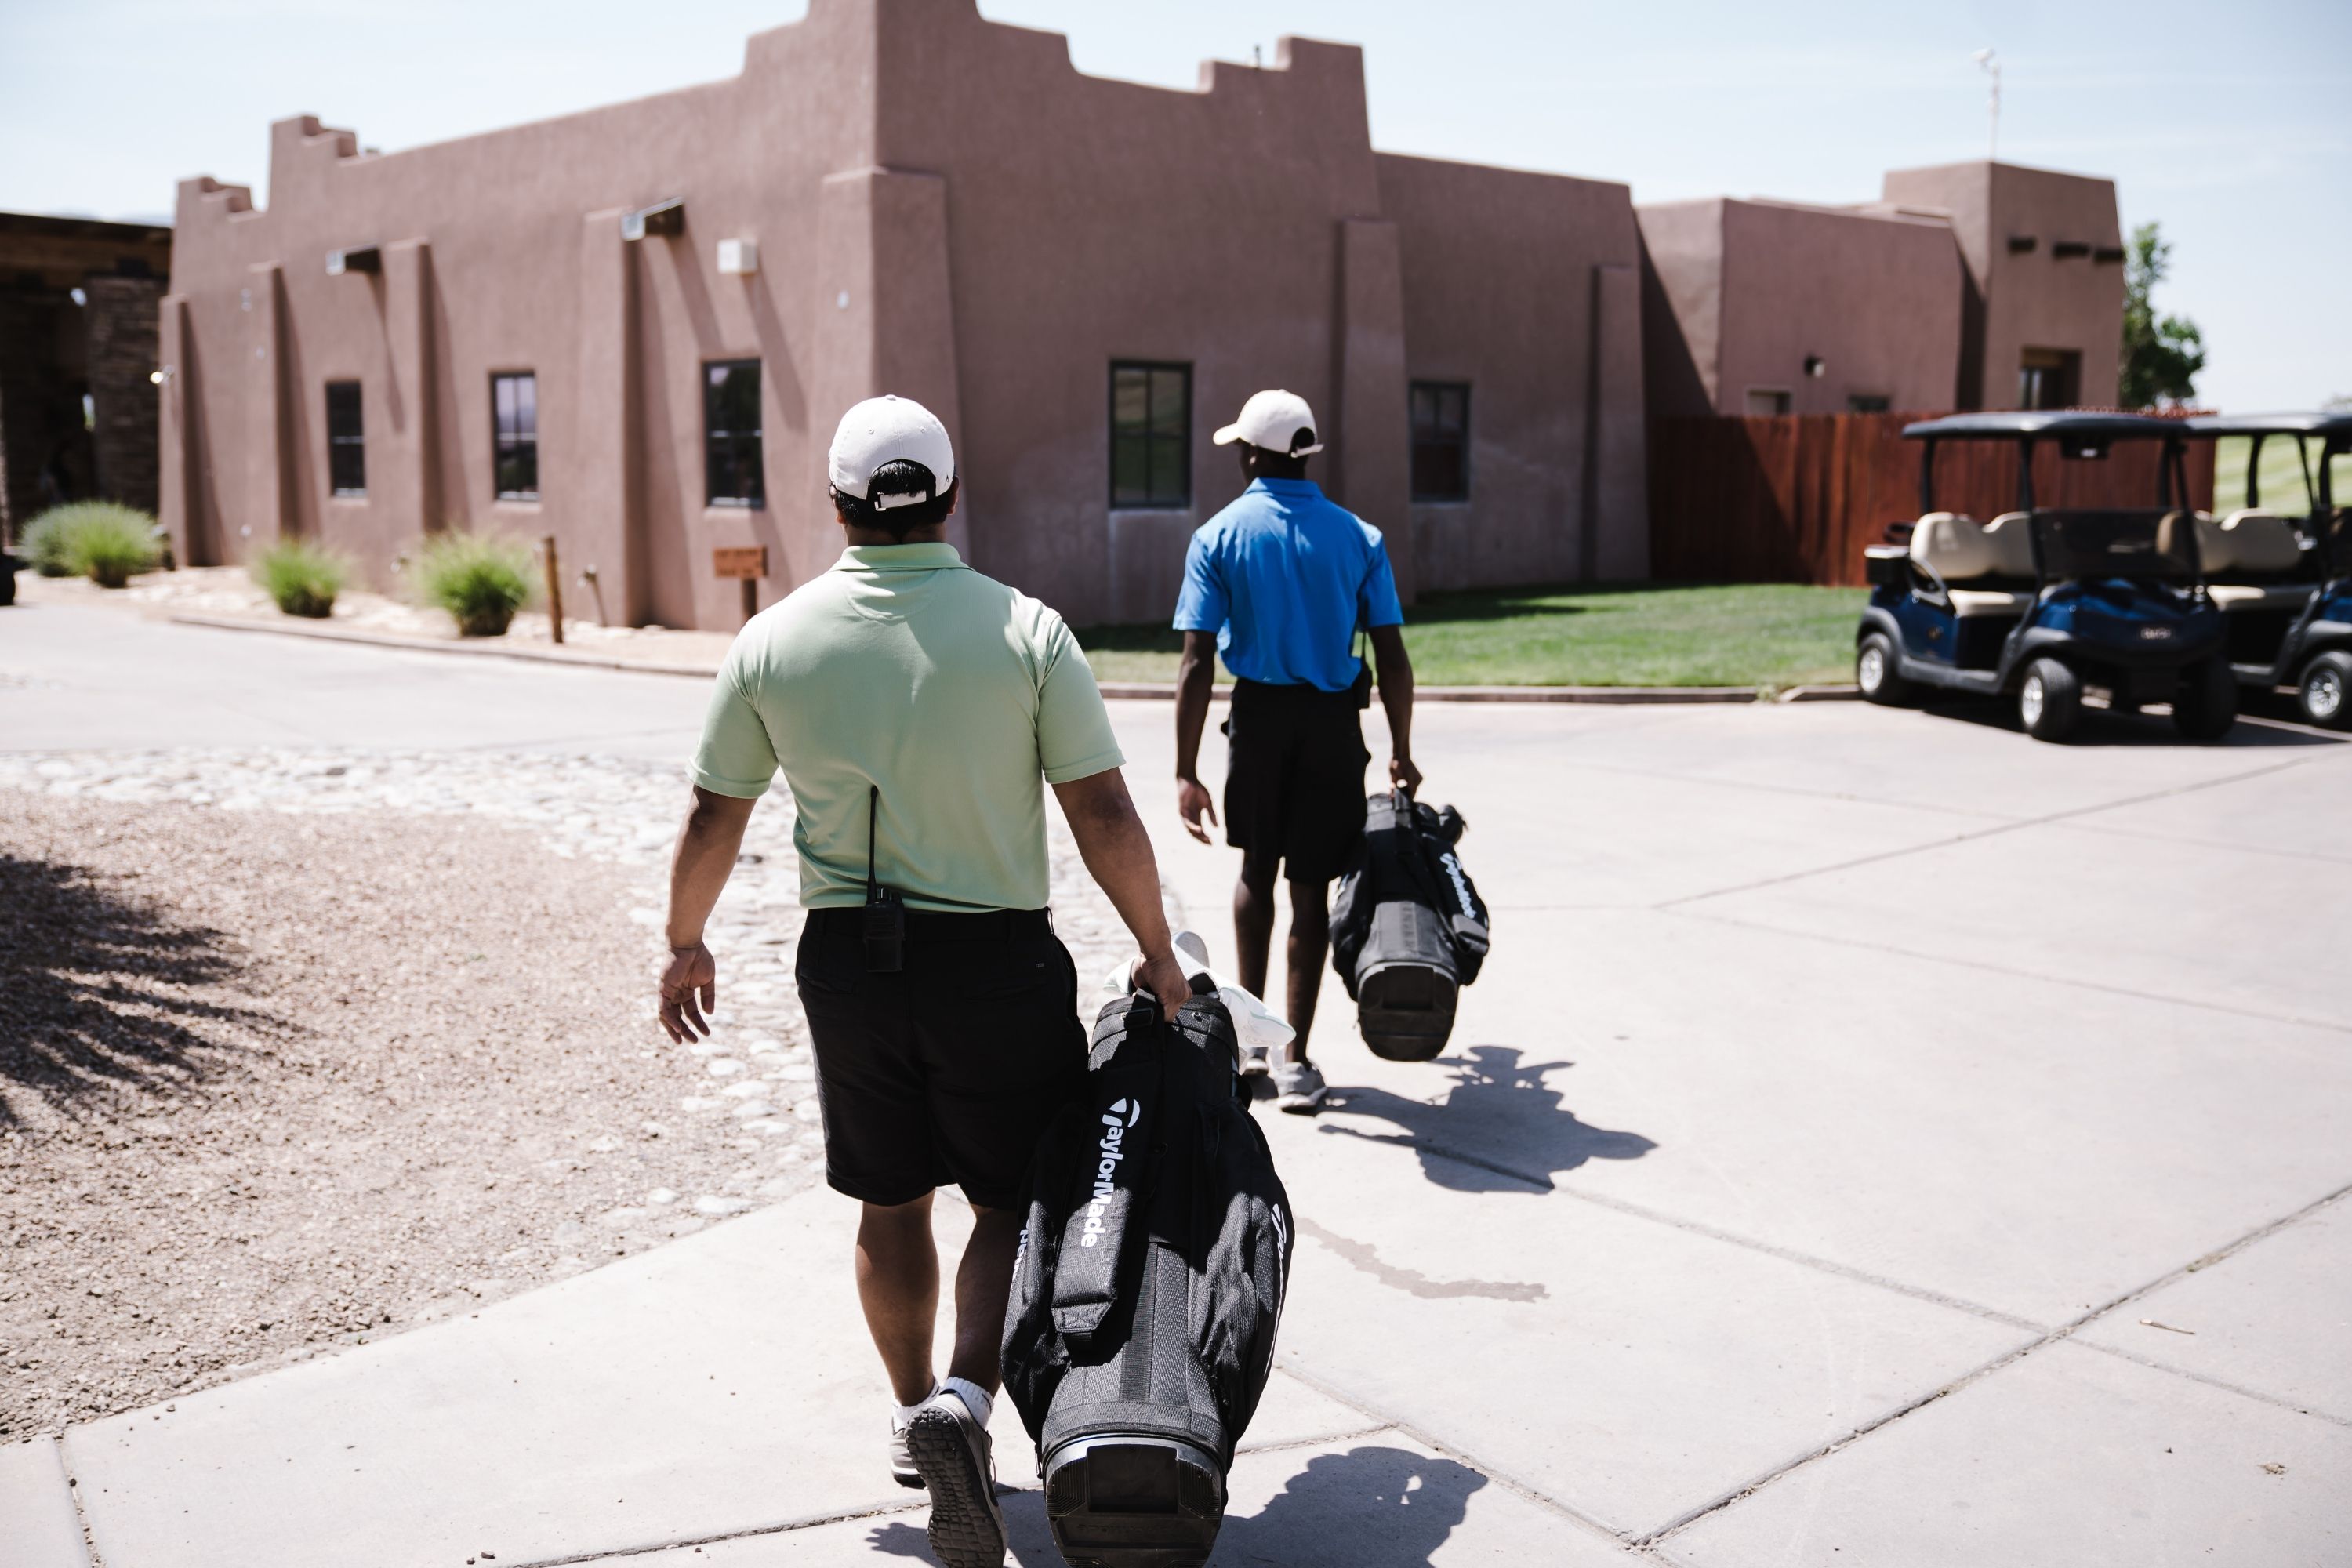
{"points": [[2048, 603], [2284, 584]]}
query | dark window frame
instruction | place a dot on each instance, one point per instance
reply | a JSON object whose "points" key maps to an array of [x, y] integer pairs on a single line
{"points": [[1166, 449], [1441, 444], [520, 442], [732, 456], [346, 448]]}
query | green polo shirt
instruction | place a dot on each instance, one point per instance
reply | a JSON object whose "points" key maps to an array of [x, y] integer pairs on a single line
{"points": [[961, 698]]}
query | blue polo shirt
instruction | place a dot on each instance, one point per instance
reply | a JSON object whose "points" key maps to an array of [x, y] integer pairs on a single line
{"points": [[1281, 576]]}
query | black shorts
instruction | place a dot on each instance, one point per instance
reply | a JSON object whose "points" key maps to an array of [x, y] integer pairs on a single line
{"points": [[1295, 779], [949, 1070]]}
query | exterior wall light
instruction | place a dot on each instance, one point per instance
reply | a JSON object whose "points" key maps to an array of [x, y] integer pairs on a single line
{"points": [[357, 259], [739, 257], [663, 219], [1815, 366]]}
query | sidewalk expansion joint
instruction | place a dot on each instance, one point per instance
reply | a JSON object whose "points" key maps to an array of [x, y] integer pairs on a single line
{"points": [[2065, 1330], [1712, 1233], [1389, 1420], [1992, 832]]}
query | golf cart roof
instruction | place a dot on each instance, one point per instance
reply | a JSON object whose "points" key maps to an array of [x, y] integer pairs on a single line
{"points": [[2335, 425], [2023, 424]]}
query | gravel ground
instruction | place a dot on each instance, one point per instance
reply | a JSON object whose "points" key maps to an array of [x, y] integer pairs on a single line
{"points": [[301, 1049]]}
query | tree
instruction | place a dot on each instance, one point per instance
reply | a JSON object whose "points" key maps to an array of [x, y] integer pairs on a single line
{"points": [[2161, 358]]}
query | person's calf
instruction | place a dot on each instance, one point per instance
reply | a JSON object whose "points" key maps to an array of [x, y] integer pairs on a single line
{"points": [[899, 1286], [983, 1282], [1303, 952]]}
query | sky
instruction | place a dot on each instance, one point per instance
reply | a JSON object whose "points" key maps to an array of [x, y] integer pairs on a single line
{"points": [[2231, 126]]}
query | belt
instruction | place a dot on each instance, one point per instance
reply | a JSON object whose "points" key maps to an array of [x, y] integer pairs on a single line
{"points": [[927, 927], [1302, 692]]}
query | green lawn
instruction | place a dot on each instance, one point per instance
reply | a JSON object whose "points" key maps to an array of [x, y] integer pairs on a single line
{"points": [[1758, 634], [2282, 490]]}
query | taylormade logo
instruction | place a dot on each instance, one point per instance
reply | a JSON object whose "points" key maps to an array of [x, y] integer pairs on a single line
{"points": [[1117, 1122], [1461, 883]]}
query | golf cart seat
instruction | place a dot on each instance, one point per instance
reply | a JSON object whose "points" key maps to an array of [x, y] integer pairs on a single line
{"points": [[2247, 557], [1986, 568]]}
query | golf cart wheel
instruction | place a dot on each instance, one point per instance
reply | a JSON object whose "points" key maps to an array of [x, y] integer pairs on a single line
{"points": [[2206, 705], [2324, 692], [2049, 699], [1874, 671]]}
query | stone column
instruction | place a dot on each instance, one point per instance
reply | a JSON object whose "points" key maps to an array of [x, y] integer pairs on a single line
{"points": [[407, 491], [1370, 471], [600, 428], [120, 323], [269, 478], [1613, 532], [175, 454], [879, 328]]}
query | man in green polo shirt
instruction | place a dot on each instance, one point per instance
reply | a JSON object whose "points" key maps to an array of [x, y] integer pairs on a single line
{"points": [[917, 711]]}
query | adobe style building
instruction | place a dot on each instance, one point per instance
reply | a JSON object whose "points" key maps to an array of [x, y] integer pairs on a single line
{"points": [[635, 328], [77, 308], [1974, 285]]}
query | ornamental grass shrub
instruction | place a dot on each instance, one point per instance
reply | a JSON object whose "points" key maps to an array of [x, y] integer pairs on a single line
{"points": [[102, 540], [481, 579], [301, 578]]}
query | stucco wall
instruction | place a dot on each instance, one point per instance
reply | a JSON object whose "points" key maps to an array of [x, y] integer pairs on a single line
{"points": [[1525, 286], [2031, 299], [521, 268], [946, 208], [1877, 298], [1682, 305]]}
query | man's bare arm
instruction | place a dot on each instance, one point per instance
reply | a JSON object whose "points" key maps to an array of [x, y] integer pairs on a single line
{"points": [[1118, 853], [1395, 673], [1195, 679], [708, 844]]}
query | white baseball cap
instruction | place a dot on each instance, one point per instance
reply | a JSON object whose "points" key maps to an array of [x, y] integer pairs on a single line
{"points": [[1273, 419], [888, 430]]}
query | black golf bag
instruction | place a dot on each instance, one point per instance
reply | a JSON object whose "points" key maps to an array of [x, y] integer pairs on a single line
{"points": [[1408, 928], [1149, 1283]]}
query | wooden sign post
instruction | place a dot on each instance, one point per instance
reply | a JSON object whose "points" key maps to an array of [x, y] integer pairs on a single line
{"points": [[747, 563], [554, 590]]}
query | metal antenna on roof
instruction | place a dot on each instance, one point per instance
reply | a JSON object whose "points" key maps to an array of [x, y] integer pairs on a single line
{"points": [[1257, 58], [1984, 57]]}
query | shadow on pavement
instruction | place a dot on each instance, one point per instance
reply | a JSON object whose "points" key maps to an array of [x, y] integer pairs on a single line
{"points": [[2258, 725], [1500, 1128], [1370, 1505], [93, 990]]}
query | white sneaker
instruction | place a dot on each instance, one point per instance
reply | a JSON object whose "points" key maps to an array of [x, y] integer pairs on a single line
{"points": [[902, 1461], [950, 1452], [1254, 1061], [1298, 1088]]}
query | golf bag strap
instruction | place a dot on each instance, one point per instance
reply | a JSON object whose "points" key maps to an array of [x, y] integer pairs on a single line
{"points": [[1113, 1185]]}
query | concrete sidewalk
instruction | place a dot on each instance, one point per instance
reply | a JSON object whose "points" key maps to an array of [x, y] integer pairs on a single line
{"points": [[1878, 1138]]}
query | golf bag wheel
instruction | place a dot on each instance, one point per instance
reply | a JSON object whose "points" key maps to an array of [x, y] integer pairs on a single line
{"points": [[2049, 699], [2206, 705], [2324, 692], [1874, 671]]}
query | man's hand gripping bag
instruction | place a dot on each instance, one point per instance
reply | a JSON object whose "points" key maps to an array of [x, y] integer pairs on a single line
{"points": [[1148, 1290]]}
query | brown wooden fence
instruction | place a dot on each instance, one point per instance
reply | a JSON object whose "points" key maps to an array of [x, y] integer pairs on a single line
{"points": [[1794, 497]]}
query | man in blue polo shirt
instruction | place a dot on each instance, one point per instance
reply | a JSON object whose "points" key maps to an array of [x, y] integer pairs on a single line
{"points": [[1279, 583]]}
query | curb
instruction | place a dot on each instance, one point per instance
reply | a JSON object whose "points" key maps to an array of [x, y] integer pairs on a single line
{"points": [[1131, 690], [433, 645]]}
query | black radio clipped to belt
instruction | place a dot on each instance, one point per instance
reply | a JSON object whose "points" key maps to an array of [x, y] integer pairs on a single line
{"points": [[885, 928]]}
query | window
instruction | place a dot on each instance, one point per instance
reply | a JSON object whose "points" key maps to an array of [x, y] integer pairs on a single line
{"points": [[733, 473], [2048, 378], [1151, 435], [1868, 403], [514, 436], [1441, 441], [1766, 401], [346, 440]]}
